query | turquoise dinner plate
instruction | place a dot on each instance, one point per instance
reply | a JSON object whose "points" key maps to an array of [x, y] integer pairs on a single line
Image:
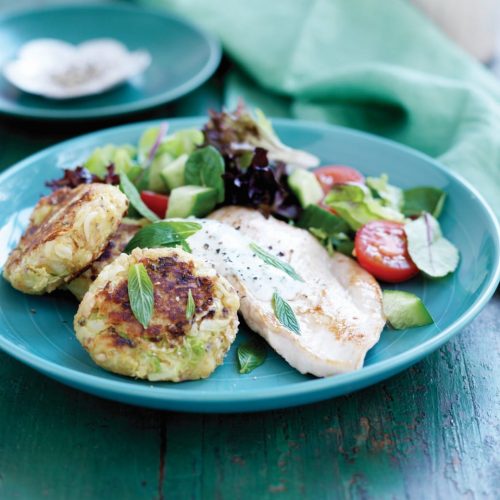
{"points": [[38, 330], [183, 57]]}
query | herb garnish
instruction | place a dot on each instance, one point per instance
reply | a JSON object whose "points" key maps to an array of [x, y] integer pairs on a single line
{"points": [[284, 313], [191, 306], [251, 354], [275, 262], [164, 234], [140, 293], [135, 199]]}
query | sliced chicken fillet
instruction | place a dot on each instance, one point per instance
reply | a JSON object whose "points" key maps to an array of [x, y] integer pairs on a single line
{"points": [[338, 305]]}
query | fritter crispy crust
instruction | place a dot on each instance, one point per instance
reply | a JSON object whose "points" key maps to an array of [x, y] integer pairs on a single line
{"points": [[68, 230], [125, 232], [173, 347]]}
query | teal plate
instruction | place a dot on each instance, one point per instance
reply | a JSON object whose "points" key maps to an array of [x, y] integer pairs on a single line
{"points": [[38, 330], [183, 57]]}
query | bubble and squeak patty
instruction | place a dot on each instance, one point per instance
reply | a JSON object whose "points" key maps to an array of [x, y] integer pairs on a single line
{"points": [[68, 230], [175, 346], [116, 245]]}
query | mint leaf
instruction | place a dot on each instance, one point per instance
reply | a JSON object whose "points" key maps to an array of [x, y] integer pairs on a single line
{"points": [[140, 293], [190, 306], [284, 313], [205, 167], [431, 253], [424, 199], [164, 234], [251, 354], [274, 261], [135, 199]]}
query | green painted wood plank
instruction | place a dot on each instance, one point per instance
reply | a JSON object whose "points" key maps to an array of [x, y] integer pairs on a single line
{"points": [[59, 443]]}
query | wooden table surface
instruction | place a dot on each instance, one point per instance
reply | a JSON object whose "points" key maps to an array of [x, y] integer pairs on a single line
{"points": [[430, 432]]}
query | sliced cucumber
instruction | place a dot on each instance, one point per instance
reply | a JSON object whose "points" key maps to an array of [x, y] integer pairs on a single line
{"points": [[305, 186], [173, 173], [405, 310], [191, 200], [156, 182]]}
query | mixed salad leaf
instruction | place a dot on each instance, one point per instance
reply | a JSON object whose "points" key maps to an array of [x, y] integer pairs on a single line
{"points": [[205, 167], [81, 175], [419, 200], [430, 251], [237, 133], [357, 206], [134, 197], [165, 233]]}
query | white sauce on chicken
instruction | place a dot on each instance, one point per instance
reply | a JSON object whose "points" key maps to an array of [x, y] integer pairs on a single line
{"points": [[229, 252]]}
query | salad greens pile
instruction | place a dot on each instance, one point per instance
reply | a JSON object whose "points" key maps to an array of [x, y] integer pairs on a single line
{"points": [[235, 159], [357, 204]]}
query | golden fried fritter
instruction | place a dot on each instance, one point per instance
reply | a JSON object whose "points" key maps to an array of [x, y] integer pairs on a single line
{"points": [[174, 346], [68, 230], [125, 232]]}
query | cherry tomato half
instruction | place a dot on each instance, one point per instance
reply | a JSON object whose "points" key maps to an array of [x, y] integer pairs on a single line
{"points": [[382, 250], [158, 203], [337, 174]]}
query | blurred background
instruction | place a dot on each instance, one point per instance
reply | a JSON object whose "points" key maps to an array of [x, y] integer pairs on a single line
{"points": [[472, 24]]}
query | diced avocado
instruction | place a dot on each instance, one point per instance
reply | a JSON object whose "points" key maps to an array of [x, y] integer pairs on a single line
{"points": [[405, 310], [305, 186], [173, 173], [156, 182], [191, 200]]}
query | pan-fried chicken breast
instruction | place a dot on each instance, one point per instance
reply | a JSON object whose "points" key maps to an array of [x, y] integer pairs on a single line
{"points": [[338, 305], [125, 232], [68, 230], [174, 346]]}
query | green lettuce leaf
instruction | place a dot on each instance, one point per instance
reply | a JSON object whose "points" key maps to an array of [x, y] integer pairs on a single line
{"points": [[390, 196], [355, 204]]}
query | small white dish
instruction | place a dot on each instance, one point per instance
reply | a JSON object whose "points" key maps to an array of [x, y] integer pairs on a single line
{"points": [[59, 70]]}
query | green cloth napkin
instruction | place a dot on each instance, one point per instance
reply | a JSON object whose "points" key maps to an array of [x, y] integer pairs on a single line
{"points": [[375, 66]]}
